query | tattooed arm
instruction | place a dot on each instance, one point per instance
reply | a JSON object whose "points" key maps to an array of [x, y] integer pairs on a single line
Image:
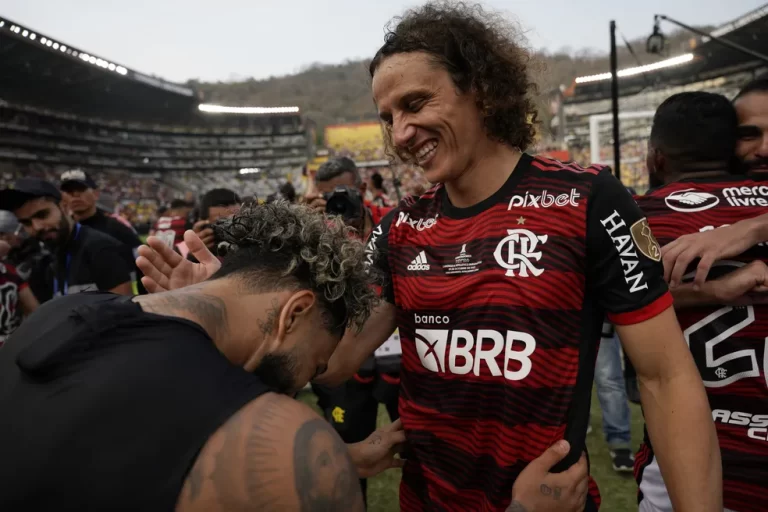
{"points": [[275, 454]]}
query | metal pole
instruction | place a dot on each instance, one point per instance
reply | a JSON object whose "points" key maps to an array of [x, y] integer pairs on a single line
{"points": [[723, 42], [615, 104]]}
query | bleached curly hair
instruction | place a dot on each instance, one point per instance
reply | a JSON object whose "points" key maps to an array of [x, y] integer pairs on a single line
{"points": [[289, 246]]}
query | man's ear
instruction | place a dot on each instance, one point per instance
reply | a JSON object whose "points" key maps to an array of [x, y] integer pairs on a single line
{"points": [[296, 312], [659, 161]]}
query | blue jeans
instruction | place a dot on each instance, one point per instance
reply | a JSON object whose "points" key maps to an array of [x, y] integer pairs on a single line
{"points": [[609, 379]]}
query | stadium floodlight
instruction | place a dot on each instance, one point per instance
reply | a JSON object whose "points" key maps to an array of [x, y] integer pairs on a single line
{"points": [[33, 36], [111, 67], [220, 109], [55, 46], [250, 170], [674, 61], [25, 33], [2, 24], [43, 40], [122, 70]]}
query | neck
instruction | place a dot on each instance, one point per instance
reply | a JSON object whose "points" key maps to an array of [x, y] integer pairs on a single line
{"points": [[484, 176], [219, 308], [85, 214], [679, 175]]}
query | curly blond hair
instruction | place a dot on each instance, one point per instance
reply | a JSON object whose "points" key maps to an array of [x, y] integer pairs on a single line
{"points": [[281, 245]]}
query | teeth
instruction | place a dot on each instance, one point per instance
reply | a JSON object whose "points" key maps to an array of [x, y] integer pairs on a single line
{"points": [[426, 149]]}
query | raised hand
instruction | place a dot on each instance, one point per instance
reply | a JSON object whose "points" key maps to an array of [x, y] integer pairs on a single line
{"points": [[164, 269], [378, 452]]}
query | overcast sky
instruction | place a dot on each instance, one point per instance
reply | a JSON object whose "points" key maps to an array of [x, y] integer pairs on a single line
{"points": [[236, 39]]}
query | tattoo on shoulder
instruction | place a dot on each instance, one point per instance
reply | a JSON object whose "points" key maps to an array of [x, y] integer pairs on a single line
{"points": [[324, 474], [515, 506], [268, 323]]}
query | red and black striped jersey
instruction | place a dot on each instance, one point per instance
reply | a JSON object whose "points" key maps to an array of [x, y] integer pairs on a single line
{"points": [[728, 343], [170, 230], [500, 308]]}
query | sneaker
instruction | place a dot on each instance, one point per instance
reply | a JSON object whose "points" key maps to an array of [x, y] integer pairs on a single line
{"points": [[623, 460]]}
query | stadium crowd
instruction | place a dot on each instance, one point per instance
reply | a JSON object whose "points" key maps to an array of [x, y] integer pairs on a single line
{"points": [[475, 290]]}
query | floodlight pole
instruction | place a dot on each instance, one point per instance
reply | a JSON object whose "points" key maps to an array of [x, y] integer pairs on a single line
{"points": [[615, 104], [723, 42]]}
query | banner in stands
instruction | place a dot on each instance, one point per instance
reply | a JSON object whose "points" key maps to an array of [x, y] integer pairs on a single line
{"points": [[360, 141]]}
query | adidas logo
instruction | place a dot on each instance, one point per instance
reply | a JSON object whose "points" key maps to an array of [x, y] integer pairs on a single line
{"points": [[420, 262]]}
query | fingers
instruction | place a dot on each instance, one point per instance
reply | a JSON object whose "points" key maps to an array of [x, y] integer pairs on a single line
{"points": [[680, 266], [396, 437], [151, 285], [198, 249], [579, 471], [552, 455], [395, 425], [168, 255], [702, 270]]}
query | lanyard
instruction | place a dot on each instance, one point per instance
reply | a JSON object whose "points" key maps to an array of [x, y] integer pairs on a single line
{"points": [[66, 274]]}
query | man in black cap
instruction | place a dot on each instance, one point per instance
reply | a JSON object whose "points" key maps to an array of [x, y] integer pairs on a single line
{"points": [[81, 193], [85, 259]]}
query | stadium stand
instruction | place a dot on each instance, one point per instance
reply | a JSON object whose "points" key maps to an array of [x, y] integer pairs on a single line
{"points": [[709, 67], [145, 140]]}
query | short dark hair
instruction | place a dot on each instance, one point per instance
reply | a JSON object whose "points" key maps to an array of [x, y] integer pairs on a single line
{"points": [[217, 197], [291, 246], [288, 191], [696, 127], [337, 166], [378, 181], [483, 53], [759, 84]]}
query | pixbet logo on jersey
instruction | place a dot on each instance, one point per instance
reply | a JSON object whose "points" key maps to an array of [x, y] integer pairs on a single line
{"points": [[691, 200], [419, 225], [544, 200], [461, 352], [520, 246]]}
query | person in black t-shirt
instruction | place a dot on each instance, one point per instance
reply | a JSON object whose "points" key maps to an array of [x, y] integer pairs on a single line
{"points": [[85, 259], [80, 193], [177, 400]]}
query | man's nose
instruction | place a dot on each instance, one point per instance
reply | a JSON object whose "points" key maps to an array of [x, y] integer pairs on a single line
{"points": [[37, 226], [763, 149], [403, 134]]}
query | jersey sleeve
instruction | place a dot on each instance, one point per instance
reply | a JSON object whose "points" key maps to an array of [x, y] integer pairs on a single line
{"points": [[624, 269], [109, 268], [377, 256], [13, 276]]}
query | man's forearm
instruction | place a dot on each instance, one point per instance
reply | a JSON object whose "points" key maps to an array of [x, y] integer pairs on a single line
{"points": [[685, 443], [759, 228]]}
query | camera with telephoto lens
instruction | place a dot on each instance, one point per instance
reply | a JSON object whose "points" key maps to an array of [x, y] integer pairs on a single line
{"points": [[344, 201]]}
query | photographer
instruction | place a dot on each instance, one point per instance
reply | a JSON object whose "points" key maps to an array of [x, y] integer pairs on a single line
{"points": [[215, 204], [352, 408]]}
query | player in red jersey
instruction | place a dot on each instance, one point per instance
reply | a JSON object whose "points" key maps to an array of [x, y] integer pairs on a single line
{"points": [[690, 161], [499, 279]]}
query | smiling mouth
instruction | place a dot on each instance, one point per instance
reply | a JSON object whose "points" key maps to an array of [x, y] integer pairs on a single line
{"points": [[426, 152]]}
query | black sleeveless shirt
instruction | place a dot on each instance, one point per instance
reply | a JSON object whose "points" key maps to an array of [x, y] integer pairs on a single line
{"points": [[106, 407]]}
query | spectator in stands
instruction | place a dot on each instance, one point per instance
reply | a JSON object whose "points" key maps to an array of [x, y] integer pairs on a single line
{"points": [[16, 298], [215, 204], [81, 194], [86, 259], [752, 107], [378, 191]]}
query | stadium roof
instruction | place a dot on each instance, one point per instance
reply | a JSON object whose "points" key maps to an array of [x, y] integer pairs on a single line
{"points": [[44, 72], [708, 59]]}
